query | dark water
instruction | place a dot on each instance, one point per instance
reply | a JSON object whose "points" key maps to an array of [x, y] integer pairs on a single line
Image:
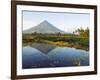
{"points": [[34, 57]]}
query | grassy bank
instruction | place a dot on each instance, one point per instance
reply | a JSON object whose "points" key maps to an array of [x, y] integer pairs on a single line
{"points": [[58, 40]]}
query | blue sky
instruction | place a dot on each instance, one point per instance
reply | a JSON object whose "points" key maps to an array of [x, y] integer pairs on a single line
{"points": [[67, 22]]}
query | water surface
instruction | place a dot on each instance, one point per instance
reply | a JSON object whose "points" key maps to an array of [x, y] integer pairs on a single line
{"points": [[45, 57]]}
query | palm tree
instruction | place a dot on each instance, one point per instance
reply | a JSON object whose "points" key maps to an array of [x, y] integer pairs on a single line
{"points": [[82, 32]]}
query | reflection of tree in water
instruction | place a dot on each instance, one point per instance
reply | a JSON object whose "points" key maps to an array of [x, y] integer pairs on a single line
{"points": [[44, 48]]}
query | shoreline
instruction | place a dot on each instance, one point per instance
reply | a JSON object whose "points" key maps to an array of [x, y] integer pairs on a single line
{"points": [[59, 44]]}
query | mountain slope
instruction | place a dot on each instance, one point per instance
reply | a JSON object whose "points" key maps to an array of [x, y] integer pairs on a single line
{"points": [[44, 27]]}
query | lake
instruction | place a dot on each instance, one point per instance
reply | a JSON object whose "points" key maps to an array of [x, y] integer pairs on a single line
{"points": [[45, 56]]}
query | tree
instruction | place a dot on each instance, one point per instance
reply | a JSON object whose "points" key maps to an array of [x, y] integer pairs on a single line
{"points": [[82, 32]]}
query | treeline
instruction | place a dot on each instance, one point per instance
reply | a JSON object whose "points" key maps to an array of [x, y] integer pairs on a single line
{"points": [[82, 32]]}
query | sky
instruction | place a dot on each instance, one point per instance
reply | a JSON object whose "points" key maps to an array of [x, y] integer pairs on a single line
{"points": [[65, 21]]}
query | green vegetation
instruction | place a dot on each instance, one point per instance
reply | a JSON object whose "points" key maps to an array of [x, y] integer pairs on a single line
{"points": [[83, 32], [79, 39]]}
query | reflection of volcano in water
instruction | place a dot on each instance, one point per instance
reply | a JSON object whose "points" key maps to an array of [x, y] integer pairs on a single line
{"points": [[44, 55], [44, 48]]}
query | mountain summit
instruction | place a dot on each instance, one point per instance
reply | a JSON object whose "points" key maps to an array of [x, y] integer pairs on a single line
{"points": [[44, 27]]}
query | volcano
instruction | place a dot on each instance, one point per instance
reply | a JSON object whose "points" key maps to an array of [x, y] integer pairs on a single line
{"points": [[44, 27]]}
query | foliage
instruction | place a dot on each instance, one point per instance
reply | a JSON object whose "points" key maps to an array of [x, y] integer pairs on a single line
{"points": [[82, 32], [80, 41]]}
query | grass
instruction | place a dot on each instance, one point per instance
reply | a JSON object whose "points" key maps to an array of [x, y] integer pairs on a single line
{"points": [[62, 40]]}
